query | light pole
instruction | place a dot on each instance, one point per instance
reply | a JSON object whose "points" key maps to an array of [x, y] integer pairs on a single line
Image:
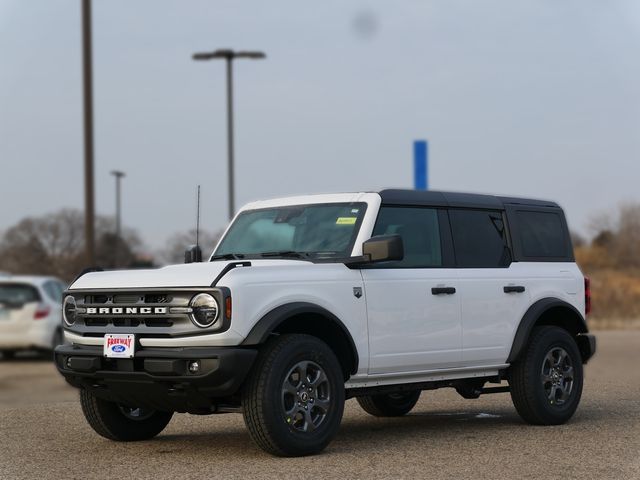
{"points": [[118, 174], [89, 225], [229, 55]]}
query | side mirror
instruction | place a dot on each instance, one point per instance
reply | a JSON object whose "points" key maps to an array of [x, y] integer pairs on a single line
{"points": [[193, 254], [383, 248]]}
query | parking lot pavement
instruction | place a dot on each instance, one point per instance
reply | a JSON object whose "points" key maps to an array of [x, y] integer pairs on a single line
{"points": [[43, 435]]}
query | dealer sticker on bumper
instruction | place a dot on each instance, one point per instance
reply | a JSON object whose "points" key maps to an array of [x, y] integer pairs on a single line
{"points": [[119, 345]]}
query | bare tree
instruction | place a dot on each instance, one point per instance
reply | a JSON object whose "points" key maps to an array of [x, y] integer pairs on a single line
{"points": [[627, 240], [53, 244], [178, 242]]}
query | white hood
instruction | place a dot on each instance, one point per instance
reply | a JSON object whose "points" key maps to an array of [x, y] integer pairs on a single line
{"points": [[186, 275]]}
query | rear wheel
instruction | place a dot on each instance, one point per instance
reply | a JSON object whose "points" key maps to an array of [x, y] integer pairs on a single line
{"points": [[546, 382], [391, 404], [122, 423], [294, 399]]}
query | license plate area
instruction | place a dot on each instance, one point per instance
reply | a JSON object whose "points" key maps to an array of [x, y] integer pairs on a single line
{"points": [[119, 345]]}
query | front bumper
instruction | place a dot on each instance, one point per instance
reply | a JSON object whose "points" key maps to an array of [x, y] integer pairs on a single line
{"points": [[159, 378]]}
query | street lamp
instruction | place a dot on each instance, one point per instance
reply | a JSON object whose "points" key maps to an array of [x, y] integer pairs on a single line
{"points": [[229, 55], [118, 174], [87, 83]]}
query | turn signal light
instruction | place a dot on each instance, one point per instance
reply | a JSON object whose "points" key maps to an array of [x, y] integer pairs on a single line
{"points": [[227, 308]]}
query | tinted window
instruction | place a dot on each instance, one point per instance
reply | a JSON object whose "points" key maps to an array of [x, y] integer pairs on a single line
{"points": [[420, 234], [479, 238], [541, 234]]}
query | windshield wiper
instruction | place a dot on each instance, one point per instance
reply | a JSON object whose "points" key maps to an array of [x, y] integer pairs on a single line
{"points": [[286, 253], [228, 256]]}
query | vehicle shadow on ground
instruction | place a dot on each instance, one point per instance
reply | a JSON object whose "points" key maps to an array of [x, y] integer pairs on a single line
{"points": [[29, 357], [366, 433]]}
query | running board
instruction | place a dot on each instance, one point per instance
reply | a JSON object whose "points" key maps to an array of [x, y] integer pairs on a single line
{"points": [[496, 390]]}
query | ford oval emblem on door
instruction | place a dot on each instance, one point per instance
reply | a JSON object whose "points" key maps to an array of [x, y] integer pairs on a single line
{"points": [[118, 348]]}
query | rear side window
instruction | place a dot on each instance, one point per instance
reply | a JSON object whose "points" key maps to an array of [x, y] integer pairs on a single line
{"points": [[479, 239], [420, 232], [541, 234]]}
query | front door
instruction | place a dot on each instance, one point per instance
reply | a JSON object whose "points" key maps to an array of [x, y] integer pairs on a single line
{"points": [[413, 309]]}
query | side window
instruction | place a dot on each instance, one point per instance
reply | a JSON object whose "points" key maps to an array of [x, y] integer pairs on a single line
{"points": [[479, 239], [420, 232], [53, 292], [541, 234]]}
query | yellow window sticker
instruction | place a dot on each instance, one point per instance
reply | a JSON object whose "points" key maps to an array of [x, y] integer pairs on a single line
{"points": [[346, 221]]}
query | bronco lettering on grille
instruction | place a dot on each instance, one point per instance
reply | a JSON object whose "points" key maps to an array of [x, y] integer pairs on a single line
{"points": [[126, 311]]}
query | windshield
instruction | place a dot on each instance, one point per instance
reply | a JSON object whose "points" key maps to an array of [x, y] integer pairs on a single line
{"points": [[322, 230]]}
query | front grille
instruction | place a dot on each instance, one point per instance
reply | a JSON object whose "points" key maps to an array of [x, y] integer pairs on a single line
{"points": [[143, 323], [163, 323]]}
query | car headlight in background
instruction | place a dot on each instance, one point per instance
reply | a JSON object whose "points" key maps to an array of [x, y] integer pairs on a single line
{"points": [[69, 310], [205, 310]]}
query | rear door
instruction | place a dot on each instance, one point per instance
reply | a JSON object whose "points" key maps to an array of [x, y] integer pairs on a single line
{"points": [[494, 292], [414, 325]]}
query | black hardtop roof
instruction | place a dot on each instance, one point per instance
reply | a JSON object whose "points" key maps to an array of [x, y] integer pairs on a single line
{"points": [[455, 199]]}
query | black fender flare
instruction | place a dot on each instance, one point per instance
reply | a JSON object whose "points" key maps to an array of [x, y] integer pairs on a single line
{"points": [[273, 319], [530, 318]]}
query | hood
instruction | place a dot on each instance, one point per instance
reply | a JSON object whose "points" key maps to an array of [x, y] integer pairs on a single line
{"points": [[185, 275]]}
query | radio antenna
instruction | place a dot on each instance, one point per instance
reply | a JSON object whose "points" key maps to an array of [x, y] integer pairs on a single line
{"points": [[198, 218]]}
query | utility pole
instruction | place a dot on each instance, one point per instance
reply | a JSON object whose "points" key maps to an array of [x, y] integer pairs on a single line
{"points": [[118, 174], [89, 209], [229, 55]]}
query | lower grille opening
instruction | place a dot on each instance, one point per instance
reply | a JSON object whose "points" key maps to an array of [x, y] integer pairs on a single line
{"points": [[125, 322], [96, 322], [158, 322]]}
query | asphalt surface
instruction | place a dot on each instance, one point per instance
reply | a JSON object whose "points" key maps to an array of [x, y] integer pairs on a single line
{"points": [[43, 435]]}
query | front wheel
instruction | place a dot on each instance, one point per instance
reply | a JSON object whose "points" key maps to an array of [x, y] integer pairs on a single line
{"points": [[122, 423], [294, 399], [391, 404], [546, 382]]}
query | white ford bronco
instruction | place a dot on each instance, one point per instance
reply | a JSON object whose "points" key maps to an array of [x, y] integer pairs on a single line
{"points": [[311, 300]]}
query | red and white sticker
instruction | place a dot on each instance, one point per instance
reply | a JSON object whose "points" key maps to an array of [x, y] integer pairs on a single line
{"points": [[119, 345]]}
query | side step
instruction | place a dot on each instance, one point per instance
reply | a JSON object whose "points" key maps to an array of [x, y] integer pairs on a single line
{"points": [[496, 390]]}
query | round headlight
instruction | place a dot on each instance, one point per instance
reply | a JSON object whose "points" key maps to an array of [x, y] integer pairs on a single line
{"points": [[204, 310], [69, 310]]}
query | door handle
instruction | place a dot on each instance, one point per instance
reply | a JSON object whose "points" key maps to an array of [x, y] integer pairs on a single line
{"points": [[513, 289], [443, 290]]}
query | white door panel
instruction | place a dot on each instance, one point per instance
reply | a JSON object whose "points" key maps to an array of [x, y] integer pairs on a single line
{"points": [[410, 329], [489, 314]]}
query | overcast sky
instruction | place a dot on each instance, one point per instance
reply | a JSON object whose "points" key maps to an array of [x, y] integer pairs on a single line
{"points": [[535, 98]]}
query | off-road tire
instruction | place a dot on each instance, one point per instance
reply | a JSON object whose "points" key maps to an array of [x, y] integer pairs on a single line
{"points": [[272, 385], [108, 420], [391, 404], [534, 398]]}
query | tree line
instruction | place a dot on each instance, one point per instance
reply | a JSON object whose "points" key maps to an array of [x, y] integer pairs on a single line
{"points": [[53, 244]]}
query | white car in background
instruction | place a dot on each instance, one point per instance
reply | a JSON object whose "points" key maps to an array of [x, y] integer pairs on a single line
{"points": [[30, 313]]}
